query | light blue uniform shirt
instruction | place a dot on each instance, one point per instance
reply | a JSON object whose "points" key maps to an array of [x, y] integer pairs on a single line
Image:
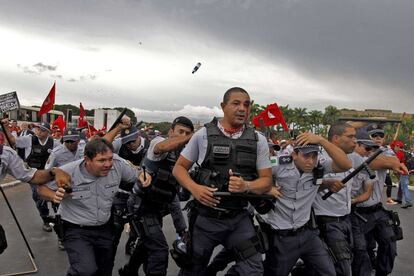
{"points": [[292, 210], [339, 204], [61, 156], [12, 164], [91, 200]]}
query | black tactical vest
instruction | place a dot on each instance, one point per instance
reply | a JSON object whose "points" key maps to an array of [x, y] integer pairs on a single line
{"points": [[39, 154], [134, 158], [223, 154], [164, 184]]}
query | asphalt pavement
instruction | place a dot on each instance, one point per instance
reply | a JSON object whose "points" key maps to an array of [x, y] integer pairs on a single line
{"points": [[52, 261]]}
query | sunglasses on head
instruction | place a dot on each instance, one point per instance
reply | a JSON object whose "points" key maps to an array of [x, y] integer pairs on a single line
{"points": [[375, 135]]}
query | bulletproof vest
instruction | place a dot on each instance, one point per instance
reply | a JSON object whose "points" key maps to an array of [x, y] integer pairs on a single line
{"points": [[134, 158], [223, 154], [164, 184], [39, 154]]}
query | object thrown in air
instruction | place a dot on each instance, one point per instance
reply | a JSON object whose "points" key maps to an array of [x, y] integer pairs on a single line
{"points": [[196, 67]]}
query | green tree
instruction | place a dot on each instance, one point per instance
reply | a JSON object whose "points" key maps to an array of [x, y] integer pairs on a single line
{"points": [[315, 120]]}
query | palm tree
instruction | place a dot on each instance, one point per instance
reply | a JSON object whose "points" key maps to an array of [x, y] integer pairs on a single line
{"points": [[331, 115], [315, 120], [299, 115]]}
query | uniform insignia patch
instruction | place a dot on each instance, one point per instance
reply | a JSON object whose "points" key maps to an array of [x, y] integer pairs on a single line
{"points": [[285, 159], [221, 149], [126, 131]]}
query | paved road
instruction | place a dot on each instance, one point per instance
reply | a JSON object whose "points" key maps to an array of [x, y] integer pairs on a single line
{"points": [[51, 261]]}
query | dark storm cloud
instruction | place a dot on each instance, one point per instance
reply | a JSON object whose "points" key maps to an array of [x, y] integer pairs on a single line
{"points": [[369, 41], [362, 47]]}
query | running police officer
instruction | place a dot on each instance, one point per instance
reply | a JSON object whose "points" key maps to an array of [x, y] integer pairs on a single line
{"points": [[332, 214], [37, 151], [88, 231], [293, 234], [160, 198], [225, 149], [378, 221]]}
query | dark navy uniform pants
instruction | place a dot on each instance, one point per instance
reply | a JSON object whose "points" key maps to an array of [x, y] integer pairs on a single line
{"points": [[338, 237], [230, 232], [89, 251], [383, 233], [285, 250]]}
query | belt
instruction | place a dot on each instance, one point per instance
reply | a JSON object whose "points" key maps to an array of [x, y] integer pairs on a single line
{"points": [[370, 209], [217, 214], [86, 227], [328, 219], [291, 232]]}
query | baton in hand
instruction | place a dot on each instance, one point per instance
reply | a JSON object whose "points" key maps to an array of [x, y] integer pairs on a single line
{"points": [[118, 120], [356, 171]]}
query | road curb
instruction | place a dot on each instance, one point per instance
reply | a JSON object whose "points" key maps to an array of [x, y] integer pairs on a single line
{"points": [[10, 184]]}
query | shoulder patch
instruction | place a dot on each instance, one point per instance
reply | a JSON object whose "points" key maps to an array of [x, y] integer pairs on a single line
{"points": [[287, 159]]}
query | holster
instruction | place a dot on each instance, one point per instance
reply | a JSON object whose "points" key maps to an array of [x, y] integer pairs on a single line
{"points": [[395, 223]]}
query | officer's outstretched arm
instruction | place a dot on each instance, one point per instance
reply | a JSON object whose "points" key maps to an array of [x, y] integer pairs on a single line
{"points": [[171, 144], [383, 162], [43, 176], [201, 193]]}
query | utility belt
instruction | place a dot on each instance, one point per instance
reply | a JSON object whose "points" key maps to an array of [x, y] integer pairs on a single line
{"points": [[329, 219], [292, 232], [67, 224], [217, 214], [370, 209]]}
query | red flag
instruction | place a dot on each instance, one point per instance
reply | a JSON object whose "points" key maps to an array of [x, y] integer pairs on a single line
{"points": [[81, 121], [48, 102], [60, 123], [271, 116]]}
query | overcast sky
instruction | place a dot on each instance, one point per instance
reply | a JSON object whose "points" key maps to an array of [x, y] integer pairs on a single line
{"points": [[140, 54]]}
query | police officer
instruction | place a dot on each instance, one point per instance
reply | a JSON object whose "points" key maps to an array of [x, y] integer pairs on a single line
{"points": [[67, 152], [377, 223], [159, 198], [132, 147], [233, 157], [37, 151], [333, 214], [293, 234], [88, 233]]}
